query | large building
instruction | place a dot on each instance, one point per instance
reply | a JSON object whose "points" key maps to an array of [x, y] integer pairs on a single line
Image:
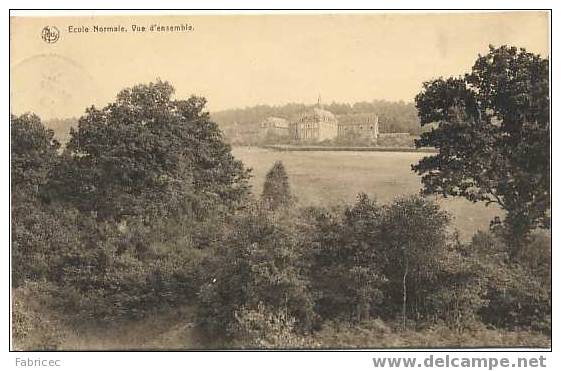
{"points": [[359, 126], [274, 127], [315, 125], [318, 125]]}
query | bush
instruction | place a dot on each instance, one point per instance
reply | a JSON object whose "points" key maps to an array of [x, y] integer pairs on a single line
{"points": [[257, 261], [34, 327], [125, 276], [276, 189], [413, 237], [345, 261], [41, 237], [265, 328], [33, 151], [362, 256], [460, 291], [518, 292], [518, 300]]}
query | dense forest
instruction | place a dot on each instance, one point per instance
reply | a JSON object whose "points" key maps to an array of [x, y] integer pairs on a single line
{"points": [[145, 212]]}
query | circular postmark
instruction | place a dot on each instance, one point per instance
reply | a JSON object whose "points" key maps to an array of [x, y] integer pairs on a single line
{"points": [[50, 34], [51, 85]]}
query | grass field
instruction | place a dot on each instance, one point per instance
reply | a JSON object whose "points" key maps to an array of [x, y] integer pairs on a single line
{"points": [[326, 178]]}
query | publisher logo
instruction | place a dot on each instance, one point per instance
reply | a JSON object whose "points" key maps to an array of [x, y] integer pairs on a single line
{"points": [[50, 34]]}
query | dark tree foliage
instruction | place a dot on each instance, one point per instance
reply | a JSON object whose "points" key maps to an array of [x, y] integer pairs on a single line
{"points": [[276, 189], [41, 237], [346, 267], [256, 262], [147, 154], [33, 154], [492, 137], [36, 232], [394, 261], [412, 237], [518, 294]]}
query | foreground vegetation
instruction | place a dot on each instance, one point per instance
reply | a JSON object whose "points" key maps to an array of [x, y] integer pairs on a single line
{"points": [[146, 223]]}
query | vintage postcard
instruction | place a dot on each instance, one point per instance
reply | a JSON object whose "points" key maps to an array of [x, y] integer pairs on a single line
{"points": [[280, 180]]}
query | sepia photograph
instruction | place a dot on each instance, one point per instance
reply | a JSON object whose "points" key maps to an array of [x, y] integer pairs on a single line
{"points": [[322, 180]]}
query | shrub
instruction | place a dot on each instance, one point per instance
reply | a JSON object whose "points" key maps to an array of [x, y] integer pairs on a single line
{"points": [[266, 328], [362, 256], [345, 261], [276, 189], [460, 291], [41, 237], [33, 152], [258, 261], [34, 327], [413, 237], [518, 300], [518, 292], [124, 276]]}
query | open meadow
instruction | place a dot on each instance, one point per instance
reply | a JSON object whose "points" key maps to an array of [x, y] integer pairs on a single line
{"points": [[327, 178]]}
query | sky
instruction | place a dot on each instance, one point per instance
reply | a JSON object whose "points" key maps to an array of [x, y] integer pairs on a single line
{"points": [[237, 61]]}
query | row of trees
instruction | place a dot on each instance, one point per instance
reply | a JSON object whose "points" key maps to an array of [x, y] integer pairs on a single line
{"points": [[286, 270]]}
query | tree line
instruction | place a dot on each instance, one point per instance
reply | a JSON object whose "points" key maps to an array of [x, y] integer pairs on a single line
{"points": [[241, 126]]}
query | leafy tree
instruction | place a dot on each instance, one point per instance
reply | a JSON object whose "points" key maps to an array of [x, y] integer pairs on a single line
{"points": [[412, 238], [36, 231], [147, 154], [256, 262], [518, 294], [460, 287], [33, 154], [346, 262], [276, 189], [40, 237], [492, 137], [517, 299]]}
